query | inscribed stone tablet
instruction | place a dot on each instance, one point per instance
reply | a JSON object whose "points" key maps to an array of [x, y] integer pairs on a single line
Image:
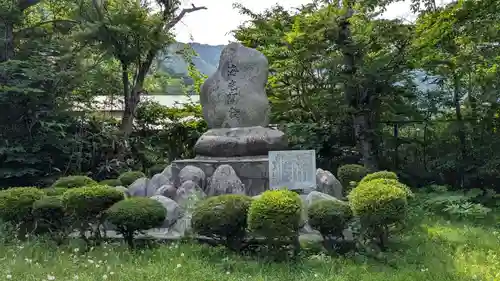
{"points": [[292, 169]]}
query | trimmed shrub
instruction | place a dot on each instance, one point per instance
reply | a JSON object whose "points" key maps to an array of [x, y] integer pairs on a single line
{"points": [[135, 214], [351, 173], [156, 169], [86, 204], [380, 175], [54, 191], [128, 178], [111, 182], [16, 203], [276, 215], [378, 204], [73, 182], [329, 217], [404, 187], [223, 217], [49, 214]]}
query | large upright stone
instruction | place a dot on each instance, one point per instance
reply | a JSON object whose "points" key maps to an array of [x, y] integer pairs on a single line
{"points": [[234, 96]]}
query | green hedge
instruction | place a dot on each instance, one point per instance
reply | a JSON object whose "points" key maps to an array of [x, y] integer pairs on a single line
{"points": [[128, 178], [135, 214], [73, 182], [16, 203], [223, 216]]}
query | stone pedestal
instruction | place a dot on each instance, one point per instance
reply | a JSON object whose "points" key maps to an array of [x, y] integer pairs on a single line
{"points": [[253, 171]]}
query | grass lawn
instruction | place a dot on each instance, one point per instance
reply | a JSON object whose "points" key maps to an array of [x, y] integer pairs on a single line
{"points": [[432, 250]]}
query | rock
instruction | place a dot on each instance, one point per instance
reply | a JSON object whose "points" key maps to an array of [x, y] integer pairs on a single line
{"points": [[248, 141], [327, 183], [194, 174], [138, 187], [225, 181], [234, 96], [316, 196], [155, 183], [167, 172], [167, 190], [308, 200], [181, 226], [188, 194], [174, 211]]}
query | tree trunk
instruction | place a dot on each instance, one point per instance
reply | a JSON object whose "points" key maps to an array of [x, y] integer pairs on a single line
{"points": [[7, 46], [363, 127], [363, 130], [460, 129]]}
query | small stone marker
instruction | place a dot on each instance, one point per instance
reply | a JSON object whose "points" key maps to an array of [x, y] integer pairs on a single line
{"points": [[292, 169]]}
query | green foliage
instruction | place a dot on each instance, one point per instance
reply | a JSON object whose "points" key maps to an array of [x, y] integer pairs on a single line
{"points": [[456, 205], [49, 214], [156, 169], [135, 214], [329, 217], [54, 191], [86, 204], [378, 205], [16, 203], [396, 183], [351, 172], [111, 182], [276, 214], [73, 181], [128, 178], [380, 175], [222, 217]]}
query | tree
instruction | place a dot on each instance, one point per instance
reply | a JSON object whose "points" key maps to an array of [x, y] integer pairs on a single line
{"points": [[325, 55], [132, 33]]}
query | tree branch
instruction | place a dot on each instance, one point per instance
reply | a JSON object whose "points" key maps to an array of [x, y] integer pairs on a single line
{"points": [[184, 12]]}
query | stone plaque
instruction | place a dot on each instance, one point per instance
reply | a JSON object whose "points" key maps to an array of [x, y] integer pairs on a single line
{"points": [[292, 169]]}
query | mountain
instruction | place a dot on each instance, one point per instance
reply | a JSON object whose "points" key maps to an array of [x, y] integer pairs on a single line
{"points": [[206, 61]]}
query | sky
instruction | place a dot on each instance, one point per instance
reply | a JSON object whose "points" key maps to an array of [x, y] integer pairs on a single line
{"points": [[212, 26]]}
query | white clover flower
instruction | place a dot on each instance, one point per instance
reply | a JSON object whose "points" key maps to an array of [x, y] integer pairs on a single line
{"points": [[111, 273], [76, 277], [179, 265], [227, 272], [51, 277], [105, 277], [8, 276], [182, 254], [76, 250]]}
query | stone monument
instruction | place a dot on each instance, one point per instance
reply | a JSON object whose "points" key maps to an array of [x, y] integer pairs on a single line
{"points": [[236, 109]]}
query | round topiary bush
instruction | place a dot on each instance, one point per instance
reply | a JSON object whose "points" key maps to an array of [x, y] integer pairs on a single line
{"points": [[351, 173], [156, 169], [135, 214], [276, 214], [329, 217], [111, 182], [128, 178], [73, 181], [404, 187], [378, 204], [223, 217], [16, 203], [380, 175], [86, 204], [49, 213], [54, 191]]}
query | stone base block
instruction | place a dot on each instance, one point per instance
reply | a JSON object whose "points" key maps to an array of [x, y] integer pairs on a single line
{"points": [[253, 171]]}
